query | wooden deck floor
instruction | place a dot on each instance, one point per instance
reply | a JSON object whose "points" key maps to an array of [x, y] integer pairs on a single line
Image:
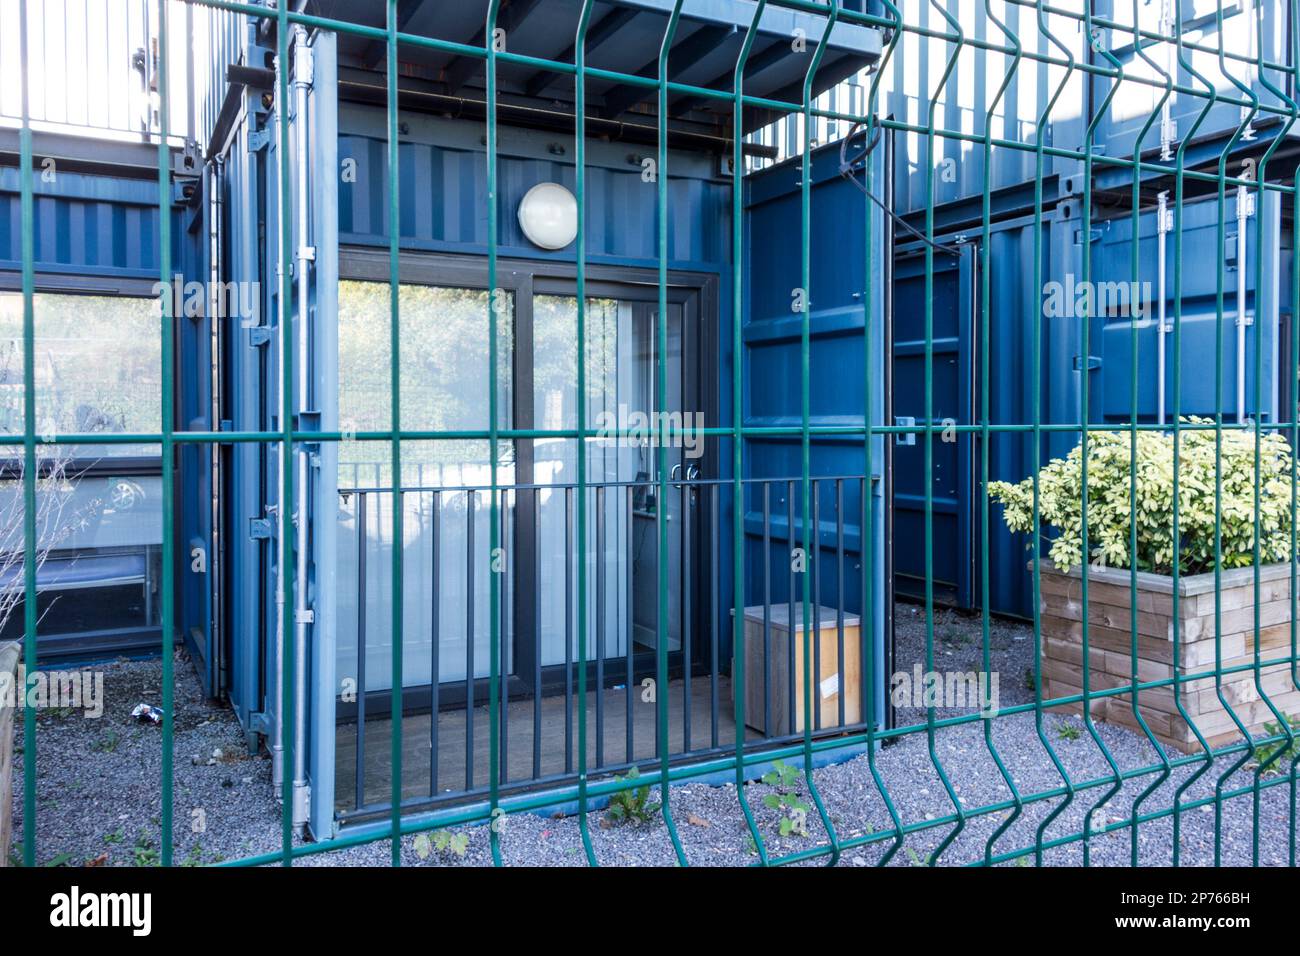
{"points": [[520, 764]]}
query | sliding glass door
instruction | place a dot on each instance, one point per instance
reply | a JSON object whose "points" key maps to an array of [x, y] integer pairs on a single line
{"points": [[444, 385]]}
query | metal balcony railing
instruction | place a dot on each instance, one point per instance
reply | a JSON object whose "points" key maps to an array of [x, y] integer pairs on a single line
{"points": [[446, 728]]}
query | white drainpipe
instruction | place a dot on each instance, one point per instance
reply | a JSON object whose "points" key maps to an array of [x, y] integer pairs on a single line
{"points": [[1164, 222], [304, 255], [275, 697], [1245, 206]]}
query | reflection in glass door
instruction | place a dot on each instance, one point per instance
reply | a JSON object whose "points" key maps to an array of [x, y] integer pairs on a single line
{"points": [[623, 503]]}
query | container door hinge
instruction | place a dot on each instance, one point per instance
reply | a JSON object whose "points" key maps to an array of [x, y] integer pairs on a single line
{"points": [[304, 616], [258, 139], [261, 528], [259, 335], [1094, 363]]}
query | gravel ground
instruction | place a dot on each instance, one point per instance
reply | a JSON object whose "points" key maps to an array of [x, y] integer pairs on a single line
{"points": [[100, 804]]}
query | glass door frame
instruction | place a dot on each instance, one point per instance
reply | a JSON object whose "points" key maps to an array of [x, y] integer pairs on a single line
{"points": [[698, 295]]}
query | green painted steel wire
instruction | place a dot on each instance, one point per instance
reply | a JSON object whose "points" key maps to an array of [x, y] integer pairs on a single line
{"points": [[1221, 231], [1036, 414], [928, 168], [167, 612], [496, 568], [737, 430], [811, 535], [287, 555], [1085, 324], [1261, 175], [868, 386], [395, 410], [408, 434], [1294, 369], [986, 305], [1180, 162], [580, 180], [538, 801], [1135, 267], [661, 452], [29, 451]]}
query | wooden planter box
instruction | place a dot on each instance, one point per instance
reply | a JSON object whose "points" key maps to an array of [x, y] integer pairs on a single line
{"points": [[1110, 650], [8, 685], [827, 686]]}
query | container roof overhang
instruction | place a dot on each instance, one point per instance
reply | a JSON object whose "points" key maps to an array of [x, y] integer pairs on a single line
{"points": [[623, 36]]}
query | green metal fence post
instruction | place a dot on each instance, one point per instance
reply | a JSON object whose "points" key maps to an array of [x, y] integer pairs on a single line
{"points": [[739, 676], [661, 452], [29, 447], [395, 406]]}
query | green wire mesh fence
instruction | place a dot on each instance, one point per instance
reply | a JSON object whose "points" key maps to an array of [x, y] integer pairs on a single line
{"points": [[949, 41]]}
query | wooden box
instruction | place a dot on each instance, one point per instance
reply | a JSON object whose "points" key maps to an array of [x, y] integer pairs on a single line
{"points": [[829, 682]]}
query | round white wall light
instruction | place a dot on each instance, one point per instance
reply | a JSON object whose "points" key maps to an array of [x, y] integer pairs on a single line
{"points": [[548, 214]]}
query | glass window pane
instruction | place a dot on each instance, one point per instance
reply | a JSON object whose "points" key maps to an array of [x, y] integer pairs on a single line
{"points": [[98, 367]]}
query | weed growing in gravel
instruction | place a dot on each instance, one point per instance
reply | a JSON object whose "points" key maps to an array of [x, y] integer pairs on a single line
{"points": [[107, 744], [117, 836], [631, 806], [143, 853], [916, 858], [194, 857], [1068, 731], [787, 800], [1031, 682], [1278, 752], [441, 841]]}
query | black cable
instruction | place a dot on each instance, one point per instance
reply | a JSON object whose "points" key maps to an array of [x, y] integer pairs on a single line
{"points": [[846, 170]]}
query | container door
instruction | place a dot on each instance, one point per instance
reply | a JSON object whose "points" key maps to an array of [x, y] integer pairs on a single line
{"points": [[950, 477]]}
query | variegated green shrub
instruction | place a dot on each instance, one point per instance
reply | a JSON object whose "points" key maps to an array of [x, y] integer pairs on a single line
{"points": [[1060, 500]]}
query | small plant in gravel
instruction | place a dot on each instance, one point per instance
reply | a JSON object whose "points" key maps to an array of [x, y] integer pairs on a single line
{"points": [[787, 799], [108, 743], [632, 806], [916, 858], [117, 836], [1031, 682], [194, 857], [1278, 752], [441, 842], [1068, 731], [143, 853]]}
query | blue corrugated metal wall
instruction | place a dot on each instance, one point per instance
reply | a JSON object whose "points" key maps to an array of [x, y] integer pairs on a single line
{"points": [[86, 225]]}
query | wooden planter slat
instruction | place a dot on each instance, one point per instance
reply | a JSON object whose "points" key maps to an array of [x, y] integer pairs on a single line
{"points": [[1110, 651]]}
